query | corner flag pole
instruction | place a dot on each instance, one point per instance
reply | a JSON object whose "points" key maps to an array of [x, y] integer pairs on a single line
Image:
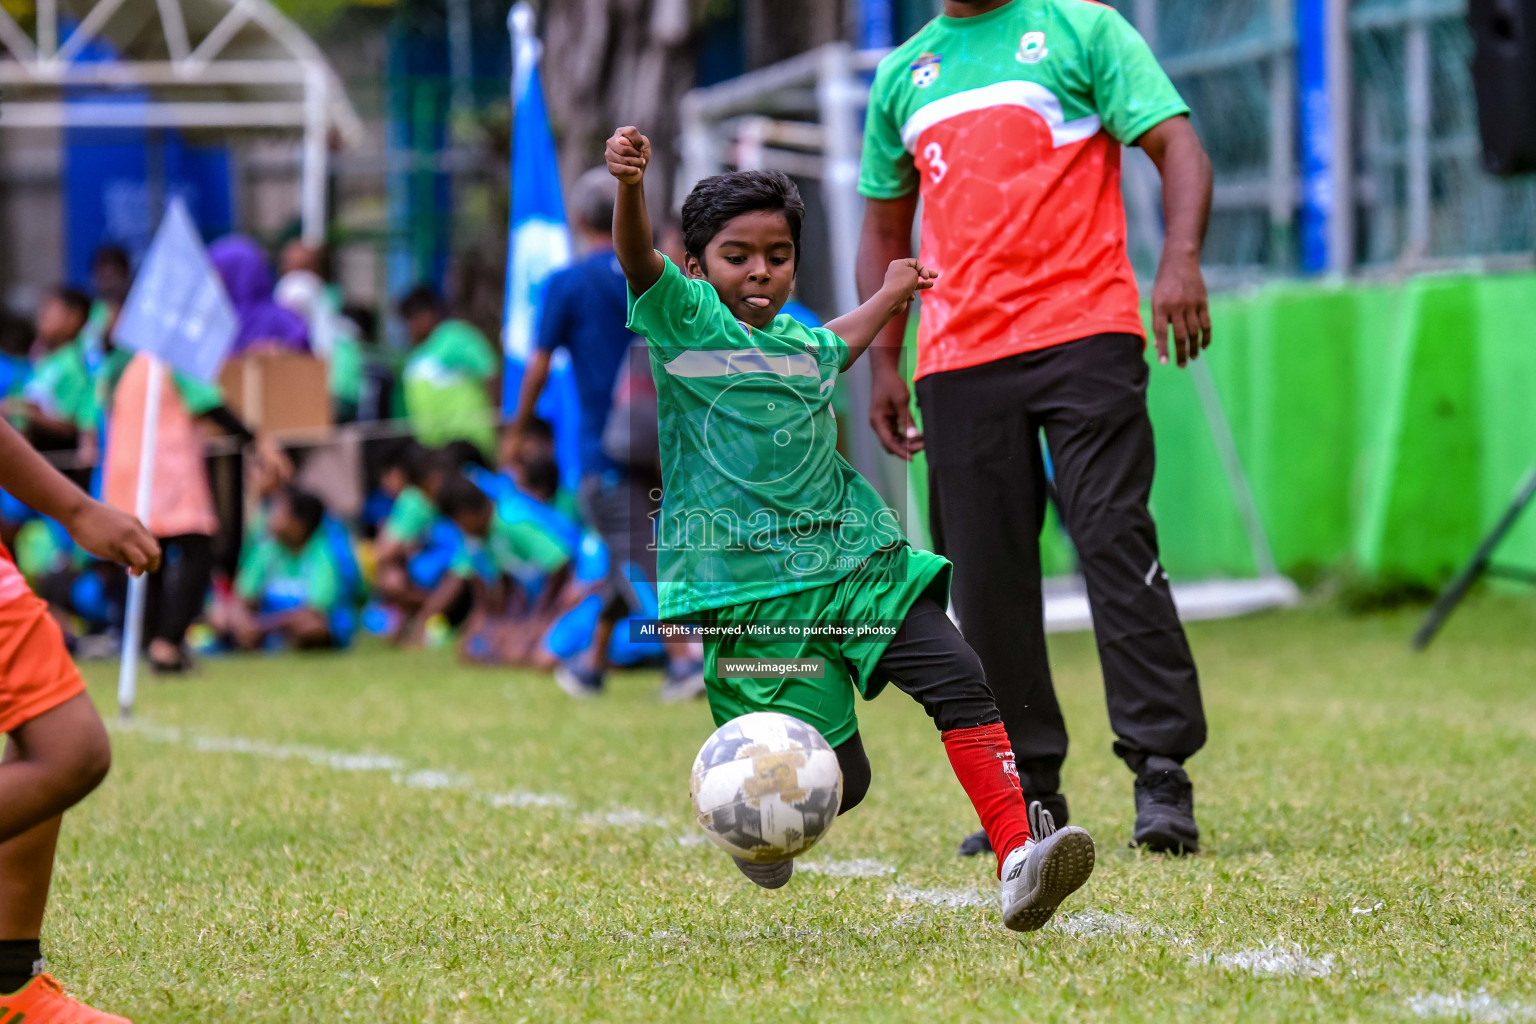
{"points": [[133, 625]]}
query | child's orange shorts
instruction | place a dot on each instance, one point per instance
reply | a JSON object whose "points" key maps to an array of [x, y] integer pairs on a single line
{"points": [[36, 671]]}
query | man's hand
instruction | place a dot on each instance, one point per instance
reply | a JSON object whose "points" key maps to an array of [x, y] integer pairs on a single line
{"points": [[904, 279], [1178, 294], [628, 154], [890, 414], [116, 536], [1179, 302]]}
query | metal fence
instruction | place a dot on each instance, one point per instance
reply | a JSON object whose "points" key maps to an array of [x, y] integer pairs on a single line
{"points": [[1419, 197]]}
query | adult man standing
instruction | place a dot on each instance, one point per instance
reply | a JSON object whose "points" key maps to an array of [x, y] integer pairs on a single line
{"points": [[1007, 117]]}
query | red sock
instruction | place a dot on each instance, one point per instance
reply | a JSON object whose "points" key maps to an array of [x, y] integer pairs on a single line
{"points": [[982, 759]]}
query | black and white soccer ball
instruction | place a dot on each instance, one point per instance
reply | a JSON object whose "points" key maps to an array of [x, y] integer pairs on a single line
{"points": [[766, 787]]}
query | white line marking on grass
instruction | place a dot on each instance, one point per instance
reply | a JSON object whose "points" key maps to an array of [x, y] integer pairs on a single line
{"points": [[626, 817], [1273, 962], [339, 760], [1093, 923], [693, 839], [863, 867], [1480, 1008], [951, 899], [432, 779], [1365, 910], [523, 798]]}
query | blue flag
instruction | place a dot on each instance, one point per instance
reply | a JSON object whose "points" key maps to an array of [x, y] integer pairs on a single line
{"points": [[177, 309], [538, 244]]}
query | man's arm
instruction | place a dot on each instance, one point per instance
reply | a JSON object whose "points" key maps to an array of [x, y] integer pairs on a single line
{"points": [[903, 279], [628, 154], [1178, 294], [103, 531], [886, 238], [535, 375]]}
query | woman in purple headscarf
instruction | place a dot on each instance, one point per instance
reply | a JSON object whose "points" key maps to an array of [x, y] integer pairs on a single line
{"points": [[248, 279]]}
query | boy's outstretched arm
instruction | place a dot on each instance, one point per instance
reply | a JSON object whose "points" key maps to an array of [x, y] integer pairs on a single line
{"points": [[628, 153], [103, 531], [903, 280]]}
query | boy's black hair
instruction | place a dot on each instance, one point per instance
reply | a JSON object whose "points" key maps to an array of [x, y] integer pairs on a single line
{"points": [[539, 427], [111, 255], [304, 507], [421, 299], [541, 477], [460, 496], [424, 462], [75, 300], [465, 453], [723, 197], [398, 453], [367, 322]]}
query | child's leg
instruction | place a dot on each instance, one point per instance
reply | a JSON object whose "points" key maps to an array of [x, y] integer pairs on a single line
{"points": [[932, 662], [51, 764], [26, 871], [306, 629]]}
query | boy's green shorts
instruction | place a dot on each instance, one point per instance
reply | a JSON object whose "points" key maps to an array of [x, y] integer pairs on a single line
{"points": [[878, 593]]}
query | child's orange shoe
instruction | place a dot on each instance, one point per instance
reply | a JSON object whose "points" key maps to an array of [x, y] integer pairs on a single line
{"points": [[42, 1001]]}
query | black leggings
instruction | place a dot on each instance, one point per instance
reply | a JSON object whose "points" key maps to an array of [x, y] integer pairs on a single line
{"points": [[174, 596], [930, 661]]}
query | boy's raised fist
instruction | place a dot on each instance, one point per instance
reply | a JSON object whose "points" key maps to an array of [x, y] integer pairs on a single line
{"points": [[628, 153]]}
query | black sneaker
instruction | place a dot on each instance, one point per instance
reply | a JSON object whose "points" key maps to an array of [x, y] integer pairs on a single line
{"points": [[977, 843], [1165, 809]]}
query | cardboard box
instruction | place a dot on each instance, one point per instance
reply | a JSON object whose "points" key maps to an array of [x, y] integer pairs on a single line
{"points": [[279, 392]]}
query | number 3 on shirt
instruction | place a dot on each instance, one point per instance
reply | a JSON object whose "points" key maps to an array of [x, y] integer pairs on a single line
{"points": [[937, 168]]}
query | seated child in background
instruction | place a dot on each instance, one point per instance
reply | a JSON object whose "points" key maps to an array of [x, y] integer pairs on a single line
{"points": [[394, 478], [518, 571], [58, 402], [535, 442], [15, 367], [290, 586], [416, 544]]}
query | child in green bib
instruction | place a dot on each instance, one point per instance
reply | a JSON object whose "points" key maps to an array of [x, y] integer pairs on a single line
{"points": [[765, 525]]}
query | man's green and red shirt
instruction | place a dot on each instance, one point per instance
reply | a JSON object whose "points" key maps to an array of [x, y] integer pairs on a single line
{"points": [[1010, 124]]}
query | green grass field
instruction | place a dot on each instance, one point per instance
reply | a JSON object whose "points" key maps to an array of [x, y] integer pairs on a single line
{"points": [[390, 837]]}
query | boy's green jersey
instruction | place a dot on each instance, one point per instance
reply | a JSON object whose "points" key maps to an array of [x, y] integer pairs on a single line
{"points": [[307, 578], [61, 386], [516, 545], [757, 501], [411, 517]]}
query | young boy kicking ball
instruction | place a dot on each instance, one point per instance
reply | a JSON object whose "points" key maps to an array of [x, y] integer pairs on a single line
{"points": [[764, 524], [58, 750]]}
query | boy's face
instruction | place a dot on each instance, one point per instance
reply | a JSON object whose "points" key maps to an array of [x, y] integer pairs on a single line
{"points": [[475, 524], [286, 528], [108, 279], [393, 480], [57, 324], [529, 447], [751, 264], [420, 325]]}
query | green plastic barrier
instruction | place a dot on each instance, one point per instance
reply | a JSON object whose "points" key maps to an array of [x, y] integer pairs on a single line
{"points": [[1380, 427]]}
